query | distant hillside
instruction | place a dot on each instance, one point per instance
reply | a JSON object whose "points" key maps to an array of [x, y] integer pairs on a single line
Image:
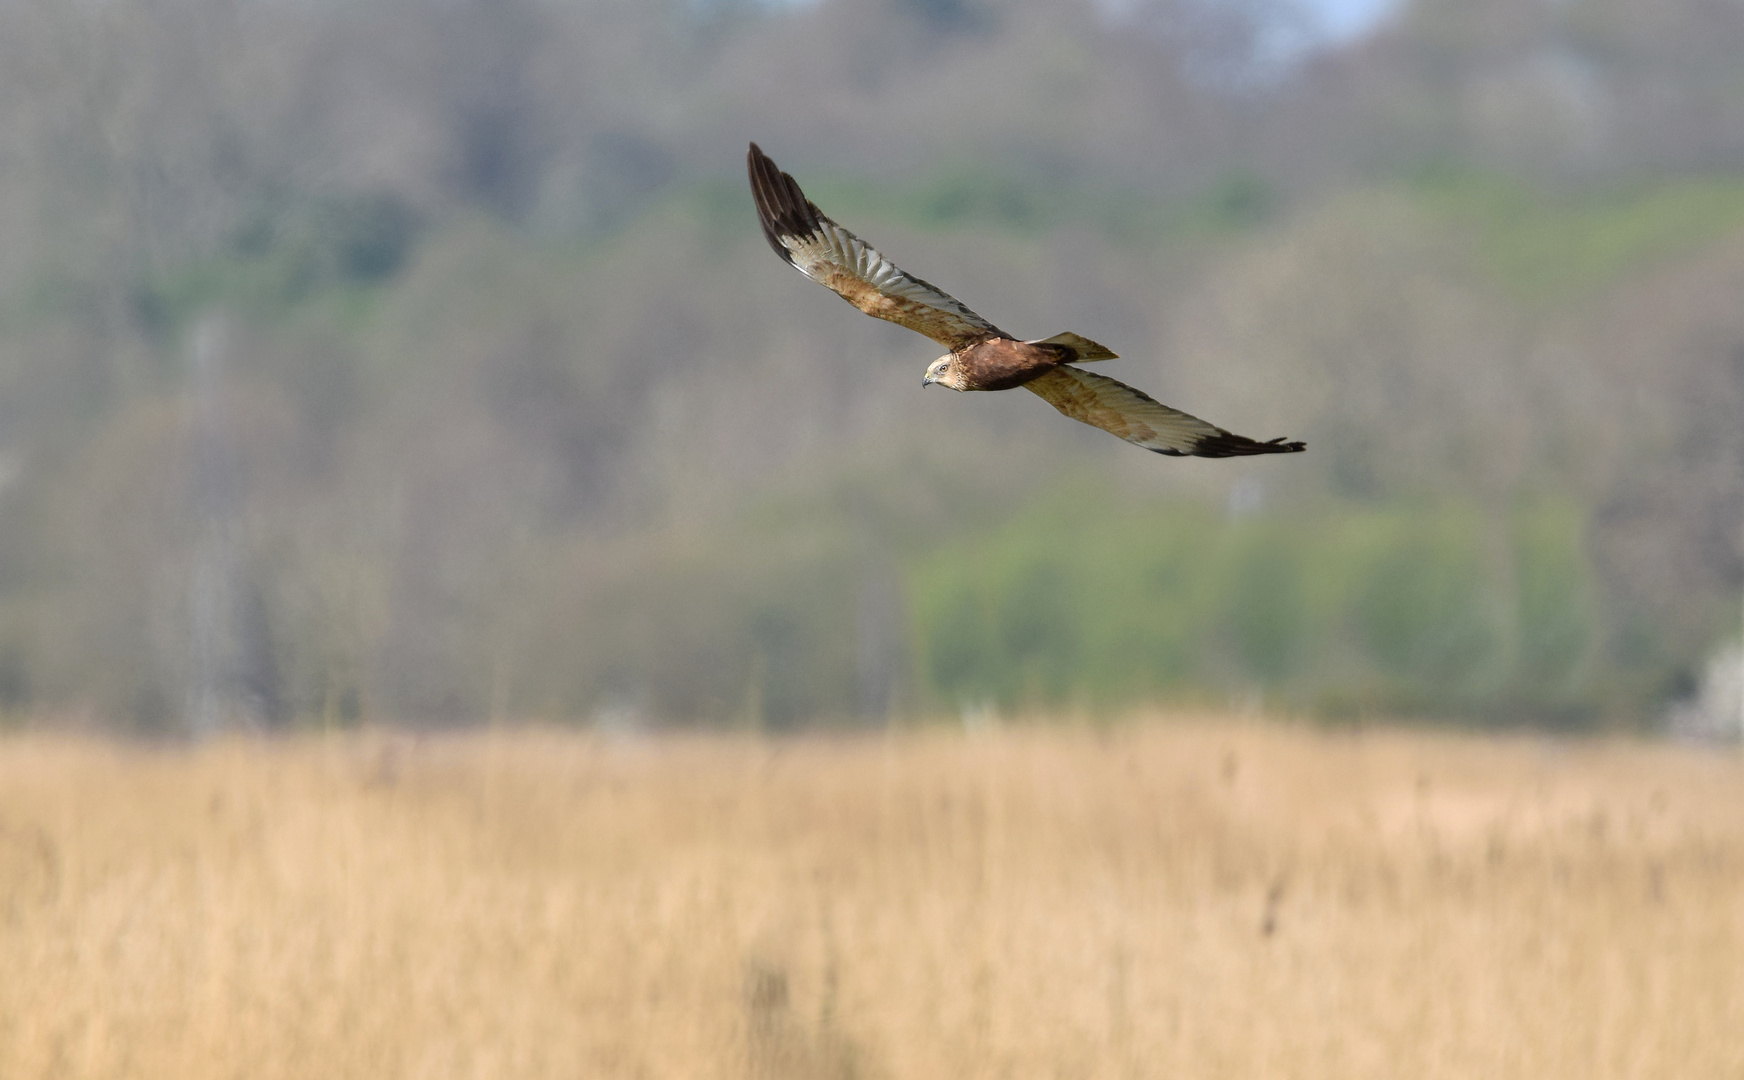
{"points": [[424, 363]]}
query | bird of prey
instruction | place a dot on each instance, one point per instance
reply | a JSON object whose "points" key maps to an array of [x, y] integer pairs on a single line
{"points": [[982, 356]]}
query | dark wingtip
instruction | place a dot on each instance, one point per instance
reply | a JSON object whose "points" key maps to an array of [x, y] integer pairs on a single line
{"points": [[1228, 444], [782, 209]]}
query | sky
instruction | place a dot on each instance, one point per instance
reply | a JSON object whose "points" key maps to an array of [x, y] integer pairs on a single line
{"points": [[1338, 21], [1344, 20]]}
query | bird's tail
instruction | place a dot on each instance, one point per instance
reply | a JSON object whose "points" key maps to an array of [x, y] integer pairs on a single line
{"points": [[1082, 348]]}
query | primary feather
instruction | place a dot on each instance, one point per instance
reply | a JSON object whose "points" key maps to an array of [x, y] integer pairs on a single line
{"points": [[834, 257]]}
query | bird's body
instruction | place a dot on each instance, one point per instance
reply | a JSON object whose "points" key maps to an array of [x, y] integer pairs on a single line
{"points": [[998, 363], [982, 356]]}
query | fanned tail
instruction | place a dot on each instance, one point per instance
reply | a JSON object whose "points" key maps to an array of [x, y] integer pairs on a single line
{"points": [[1082, 348]]}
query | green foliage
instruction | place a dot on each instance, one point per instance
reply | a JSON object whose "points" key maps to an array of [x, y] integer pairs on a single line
{"points": [[1410, 608], [747, 624], [1420, 608], [1546, 247], [286, 254], [1557, 605], [1065, 601], [1266, 608]]}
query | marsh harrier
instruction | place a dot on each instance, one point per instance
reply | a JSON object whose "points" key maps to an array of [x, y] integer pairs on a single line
{"points": [[982, 356]]}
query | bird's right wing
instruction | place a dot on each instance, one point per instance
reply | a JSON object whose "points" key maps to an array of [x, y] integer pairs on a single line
{"points": [[1142, 420], [832, 256]]}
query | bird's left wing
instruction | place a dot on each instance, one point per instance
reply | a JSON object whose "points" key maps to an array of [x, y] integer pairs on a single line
{"points": [[1142, 420], [831, 255]]}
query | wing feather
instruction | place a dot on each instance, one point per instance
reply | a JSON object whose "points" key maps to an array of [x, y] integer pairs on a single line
{"points": [[834, 257], [1142, 420]]}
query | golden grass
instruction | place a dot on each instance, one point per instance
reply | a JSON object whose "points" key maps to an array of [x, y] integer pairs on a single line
{"points": [[1169, 899]]}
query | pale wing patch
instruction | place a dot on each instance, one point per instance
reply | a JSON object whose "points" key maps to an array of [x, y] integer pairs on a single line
{"points": [[1142, 420], [837, 259]]}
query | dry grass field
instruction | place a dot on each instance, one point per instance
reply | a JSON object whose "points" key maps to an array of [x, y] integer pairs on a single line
{"points": [[1173, 898]]}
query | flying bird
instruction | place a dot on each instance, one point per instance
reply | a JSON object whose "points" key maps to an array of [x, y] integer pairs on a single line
{"points": [[982, 356]]}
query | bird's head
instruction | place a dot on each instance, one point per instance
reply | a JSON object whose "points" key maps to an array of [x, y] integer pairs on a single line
{"points": [[944, 371]]}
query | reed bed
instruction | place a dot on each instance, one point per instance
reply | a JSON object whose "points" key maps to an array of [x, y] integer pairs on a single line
{"points": [[1170, 897]]}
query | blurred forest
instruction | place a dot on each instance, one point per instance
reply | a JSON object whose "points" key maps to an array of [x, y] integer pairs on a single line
{"points": [[420, 361]]}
